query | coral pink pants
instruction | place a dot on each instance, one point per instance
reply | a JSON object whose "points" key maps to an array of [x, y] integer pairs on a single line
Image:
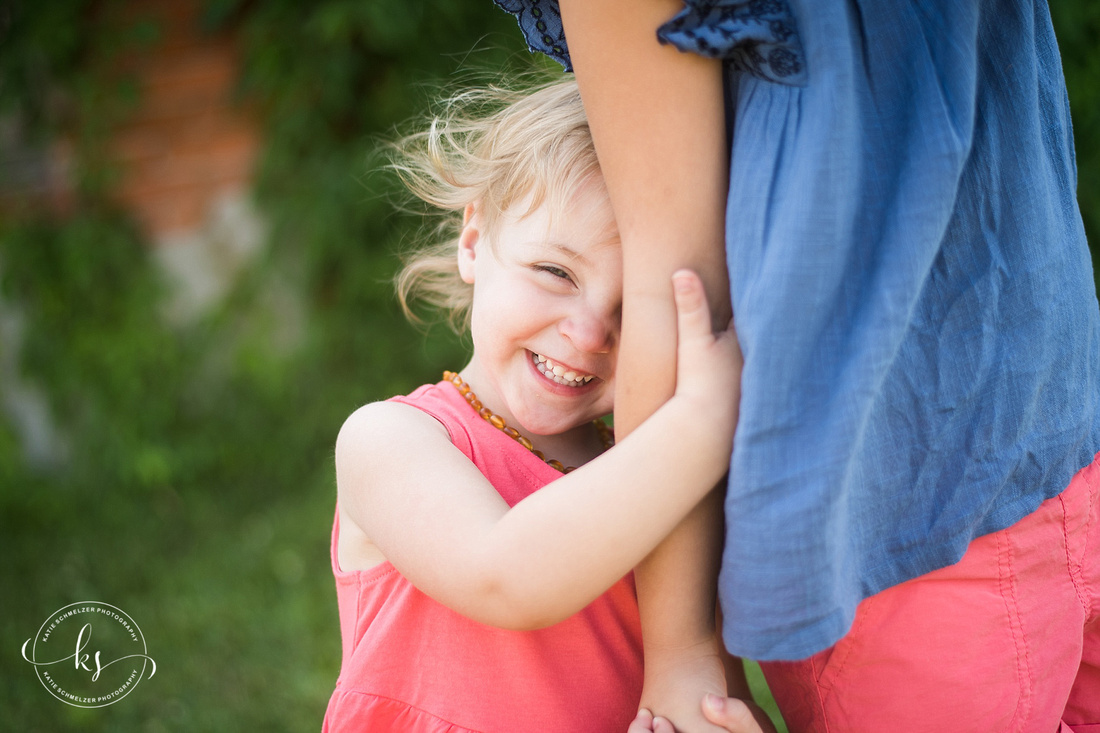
{"points": [[1007, 639]]}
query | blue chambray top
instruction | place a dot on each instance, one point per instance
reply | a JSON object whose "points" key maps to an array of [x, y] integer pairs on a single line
{"points": [[913, 291]]}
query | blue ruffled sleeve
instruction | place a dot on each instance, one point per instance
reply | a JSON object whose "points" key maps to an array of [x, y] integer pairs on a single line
{"points": [[540, 21], [758, 37]]}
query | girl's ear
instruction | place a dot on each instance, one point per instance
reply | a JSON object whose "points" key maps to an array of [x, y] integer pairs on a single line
{"points": [[467, 242]]}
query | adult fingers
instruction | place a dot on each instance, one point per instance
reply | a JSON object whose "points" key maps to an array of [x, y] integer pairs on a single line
{"points": [[732, 714]]}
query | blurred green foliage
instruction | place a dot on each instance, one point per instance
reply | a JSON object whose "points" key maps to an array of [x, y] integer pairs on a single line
{"points": [[1077, 25], [192, 482]]}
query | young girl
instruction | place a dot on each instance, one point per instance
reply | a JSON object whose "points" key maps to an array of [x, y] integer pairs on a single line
{"points": [[483, 583]]}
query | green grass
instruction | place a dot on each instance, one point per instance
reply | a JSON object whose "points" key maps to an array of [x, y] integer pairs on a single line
{"points": [[237, 608], [763, 695]]}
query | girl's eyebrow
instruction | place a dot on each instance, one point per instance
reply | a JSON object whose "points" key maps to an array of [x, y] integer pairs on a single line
{"points": [[569, 252]]}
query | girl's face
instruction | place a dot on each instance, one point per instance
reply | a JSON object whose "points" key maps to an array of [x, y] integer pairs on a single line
{"points": [[546, 311]]}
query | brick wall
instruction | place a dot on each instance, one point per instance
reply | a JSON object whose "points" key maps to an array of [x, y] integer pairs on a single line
{"points": [[186, 144], [189, 141]]}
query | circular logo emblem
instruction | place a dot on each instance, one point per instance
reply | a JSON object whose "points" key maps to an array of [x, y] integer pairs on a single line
{"points": [[89, 654]]}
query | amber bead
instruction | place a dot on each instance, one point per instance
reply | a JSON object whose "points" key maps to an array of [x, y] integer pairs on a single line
{"points": [[498, 422]]}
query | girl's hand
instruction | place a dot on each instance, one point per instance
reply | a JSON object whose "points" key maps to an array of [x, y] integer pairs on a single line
{"points": [[644, 722], [708, 364]]}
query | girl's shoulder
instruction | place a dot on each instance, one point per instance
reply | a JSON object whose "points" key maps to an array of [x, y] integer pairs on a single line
{"points": [[431, 418], [379, 426]]}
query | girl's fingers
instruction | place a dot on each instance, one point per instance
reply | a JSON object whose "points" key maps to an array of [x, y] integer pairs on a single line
{"points": [[663, 725], [708, 364], [692, 311], [644, 722]]}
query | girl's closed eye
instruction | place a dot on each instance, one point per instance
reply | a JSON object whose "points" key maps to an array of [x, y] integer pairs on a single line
{"points": [[555, 271]]}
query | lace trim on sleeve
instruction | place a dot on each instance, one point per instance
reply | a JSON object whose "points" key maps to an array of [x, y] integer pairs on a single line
{"points": [[755, 36], [540, 21]]}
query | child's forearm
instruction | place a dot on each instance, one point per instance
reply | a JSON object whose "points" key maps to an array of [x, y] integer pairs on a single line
{"points": [[557, 550]]}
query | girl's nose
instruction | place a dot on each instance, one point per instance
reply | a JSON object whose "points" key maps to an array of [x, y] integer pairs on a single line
{"points": [[594, 331]]}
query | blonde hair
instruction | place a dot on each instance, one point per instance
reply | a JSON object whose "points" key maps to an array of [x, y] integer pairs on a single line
{"points": [[492, 146]]}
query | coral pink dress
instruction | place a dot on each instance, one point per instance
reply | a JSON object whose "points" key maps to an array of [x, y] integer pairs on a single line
{"points": [[412, 664]]}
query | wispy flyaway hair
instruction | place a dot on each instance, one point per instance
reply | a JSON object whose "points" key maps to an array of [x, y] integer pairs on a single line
{"points": [[492, 147]]}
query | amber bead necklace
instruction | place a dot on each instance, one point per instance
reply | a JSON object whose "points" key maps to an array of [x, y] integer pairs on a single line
{"points": [[497, 422]]}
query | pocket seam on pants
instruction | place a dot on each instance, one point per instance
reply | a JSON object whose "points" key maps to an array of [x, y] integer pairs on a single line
{"points": [[1092, 480], [1074, 565], [1012, 609], [832, 670]]}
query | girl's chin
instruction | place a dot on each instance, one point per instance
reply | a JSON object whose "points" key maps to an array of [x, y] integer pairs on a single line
{"points": [[553, 427]]}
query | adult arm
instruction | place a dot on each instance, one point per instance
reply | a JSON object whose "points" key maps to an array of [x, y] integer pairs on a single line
{"points": [[657, 118]]}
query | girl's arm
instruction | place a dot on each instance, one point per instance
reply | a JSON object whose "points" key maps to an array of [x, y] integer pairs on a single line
{"points": [[657, 118], [435, 517]]}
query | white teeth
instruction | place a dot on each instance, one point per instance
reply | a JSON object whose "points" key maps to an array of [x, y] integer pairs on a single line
{"points": [[559, 374]]}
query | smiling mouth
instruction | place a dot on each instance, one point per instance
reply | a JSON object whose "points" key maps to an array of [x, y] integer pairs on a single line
{"points": [[559, 374]]}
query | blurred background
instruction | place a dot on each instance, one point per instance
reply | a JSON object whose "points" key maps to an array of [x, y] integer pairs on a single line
{"points": [[195, 258]]}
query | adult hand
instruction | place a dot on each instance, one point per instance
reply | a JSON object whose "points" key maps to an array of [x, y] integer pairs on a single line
{"points": [[736, 716], [729, 713]]}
